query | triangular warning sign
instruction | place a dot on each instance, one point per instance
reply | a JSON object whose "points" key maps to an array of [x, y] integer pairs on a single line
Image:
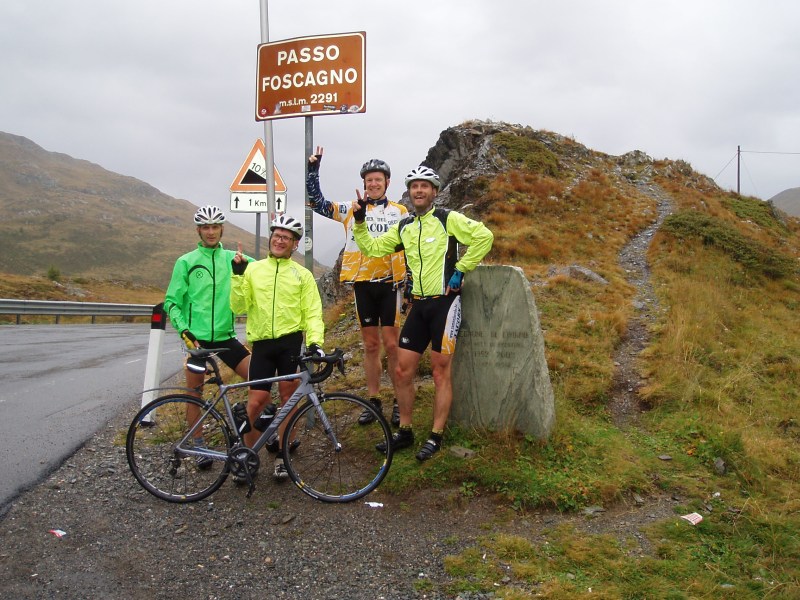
{"points": [[252, 177]]}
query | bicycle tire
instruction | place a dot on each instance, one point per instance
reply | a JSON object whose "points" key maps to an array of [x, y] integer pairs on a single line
{"points": [[156, 463], [337, 476]]}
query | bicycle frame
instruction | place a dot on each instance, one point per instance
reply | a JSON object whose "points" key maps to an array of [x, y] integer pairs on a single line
{"points": [[269, 435]]}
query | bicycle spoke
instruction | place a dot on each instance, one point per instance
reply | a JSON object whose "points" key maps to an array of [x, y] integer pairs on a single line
{"points": [[158, 459], [337, 475]]}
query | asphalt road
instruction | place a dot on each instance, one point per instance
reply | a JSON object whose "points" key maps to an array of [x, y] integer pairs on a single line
{"points": [[60, 384]]}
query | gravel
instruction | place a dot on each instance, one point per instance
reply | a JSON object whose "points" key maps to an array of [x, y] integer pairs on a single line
{"points": [[121, 542]]}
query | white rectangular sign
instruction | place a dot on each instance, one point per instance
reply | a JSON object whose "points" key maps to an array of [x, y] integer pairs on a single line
{"points": [[256, 202]]}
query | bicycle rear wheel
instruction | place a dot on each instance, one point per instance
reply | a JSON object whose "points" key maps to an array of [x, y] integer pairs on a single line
{"points": [[157, 459], [325, 472]]}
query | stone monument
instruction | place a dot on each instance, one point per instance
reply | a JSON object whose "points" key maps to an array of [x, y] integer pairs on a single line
{"points": [[500, 376]]}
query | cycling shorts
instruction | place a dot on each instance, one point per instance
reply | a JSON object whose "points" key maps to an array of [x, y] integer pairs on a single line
{"points": [[275, 357], [236, 351], [435, 320], [377, 303]]}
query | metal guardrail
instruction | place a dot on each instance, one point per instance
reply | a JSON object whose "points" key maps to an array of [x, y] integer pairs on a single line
{"points": [[86, 309]]}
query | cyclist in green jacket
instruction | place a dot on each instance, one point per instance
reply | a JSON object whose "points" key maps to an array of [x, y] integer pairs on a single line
{"points": [[429, 237], [282, 303], [198, 304]]}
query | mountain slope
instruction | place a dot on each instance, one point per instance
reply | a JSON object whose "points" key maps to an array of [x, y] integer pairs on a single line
{"points": [[788, 201], [58, 211]]}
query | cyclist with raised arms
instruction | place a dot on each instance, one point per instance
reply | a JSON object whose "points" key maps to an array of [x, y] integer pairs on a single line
{"points": [[282, 303], [377, 281], [429, 236], [198, 304]]}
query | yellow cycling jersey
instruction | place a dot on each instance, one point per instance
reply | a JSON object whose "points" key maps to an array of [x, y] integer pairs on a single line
{"points": [[355, 265]]}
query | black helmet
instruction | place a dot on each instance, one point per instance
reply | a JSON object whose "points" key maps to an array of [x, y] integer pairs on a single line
{"points": [[376, 164]]}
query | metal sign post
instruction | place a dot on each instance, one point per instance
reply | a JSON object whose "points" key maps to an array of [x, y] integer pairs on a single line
{"points": [[268, 144], [309, 211]]}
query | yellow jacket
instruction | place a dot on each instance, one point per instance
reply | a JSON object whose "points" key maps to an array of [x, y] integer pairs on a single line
{"points": [[280, 297]]}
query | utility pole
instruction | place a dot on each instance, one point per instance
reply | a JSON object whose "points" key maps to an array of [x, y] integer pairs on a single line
{"points": [[738, 168]]}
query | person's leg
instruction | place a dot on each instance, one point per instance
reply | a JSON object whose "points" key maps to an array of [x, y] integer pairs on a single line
{"points": [[243, 368], [193, 380], [445, 326], [443, 400], [407, 362], [372, 360], [286, 389], [256, 401], [261, 364], [389, 336], [441, 365]]}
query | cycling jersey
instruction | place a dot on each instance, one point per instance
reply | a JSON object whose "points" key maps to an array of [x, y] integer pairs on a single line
{"points": [[381, 215], [198, 295], [280, 297], [429, 246]]}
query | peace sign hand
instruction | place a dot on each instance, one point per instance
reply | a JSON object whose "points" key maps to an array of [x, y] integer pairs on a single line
{"points": [[360, 208], [314, 160]]}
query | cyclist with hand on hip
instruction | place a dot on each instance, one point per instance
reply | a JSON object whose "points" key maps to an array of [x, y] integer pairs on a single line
{"points": [[377, 281], [429, 237], [198, 305], [282, 303]]}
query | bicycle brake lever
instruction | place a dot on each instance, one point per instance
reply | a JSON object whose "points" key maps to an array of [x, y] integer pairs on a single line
{"points": [[340, 364]]}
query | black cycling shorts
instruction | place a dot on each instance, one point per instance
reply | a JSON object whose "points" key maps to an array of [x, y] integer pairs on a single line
{"points": [[432, 320], [377, 303], [236, 351], [275, 357]]}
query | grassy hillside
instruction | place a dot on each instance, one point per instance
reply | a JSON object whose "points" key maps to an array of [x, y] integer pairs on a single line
{"points": [[719, 384]]}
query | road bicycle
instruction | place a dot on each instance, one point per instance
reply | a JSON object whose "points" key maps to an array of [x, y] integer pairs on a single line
{"points": [[327, 453]]}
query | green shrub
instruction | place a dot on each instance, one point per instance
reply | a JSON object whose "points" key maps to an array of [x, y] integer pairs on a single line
{"points": [[751, 254]]}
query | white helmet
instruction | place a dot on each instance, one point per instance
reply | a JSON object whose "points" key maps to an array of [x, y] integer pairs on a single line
{"points": [[209, 215], [423, 173], [287, 222]]}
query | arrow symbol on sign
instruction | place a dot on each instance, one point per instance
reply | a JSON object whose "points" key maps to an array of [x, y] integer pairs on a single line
{"points": [[279, 204], [236, 202]]}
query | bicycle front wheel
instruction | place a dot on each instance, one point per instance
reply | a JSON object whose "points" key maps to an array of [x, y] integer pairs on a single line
{"points": [[156, 450], [340, 473]]}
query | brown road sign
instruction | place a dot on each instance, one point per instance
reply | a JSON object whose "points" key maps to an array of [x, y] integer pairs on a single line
{"points": [[316, 75]]}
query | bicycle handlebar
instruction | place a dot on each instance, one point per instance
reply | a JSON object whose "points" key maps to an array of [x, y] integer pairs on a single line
{"points": [[335, 358]]}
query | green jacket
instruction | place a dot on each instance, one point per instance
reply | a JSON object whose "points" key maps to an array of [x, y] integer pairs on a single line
{"points": [[280, 297], [429, 244], [198, 296]]}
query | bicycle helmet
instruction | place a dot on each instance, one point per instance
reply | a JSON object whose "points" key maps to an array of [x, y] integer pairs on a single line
{"points": [[376, 164], [209, 215], [287, 222], [423, 173]]}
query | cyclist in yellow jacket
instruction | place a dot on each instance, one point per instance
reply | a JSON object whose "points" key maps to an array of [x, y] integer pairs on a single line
{"points": [[282, 303], [429, 237], [377, 281]]}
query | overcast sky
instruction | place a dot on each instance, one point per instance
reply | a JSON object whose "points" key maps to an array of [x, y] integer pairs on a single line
{"points": [[164, 90]]}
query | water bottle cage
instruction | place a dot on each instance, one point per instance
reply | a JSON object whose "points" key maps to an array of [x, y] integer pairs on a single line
{"points": [[240, 418]]}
